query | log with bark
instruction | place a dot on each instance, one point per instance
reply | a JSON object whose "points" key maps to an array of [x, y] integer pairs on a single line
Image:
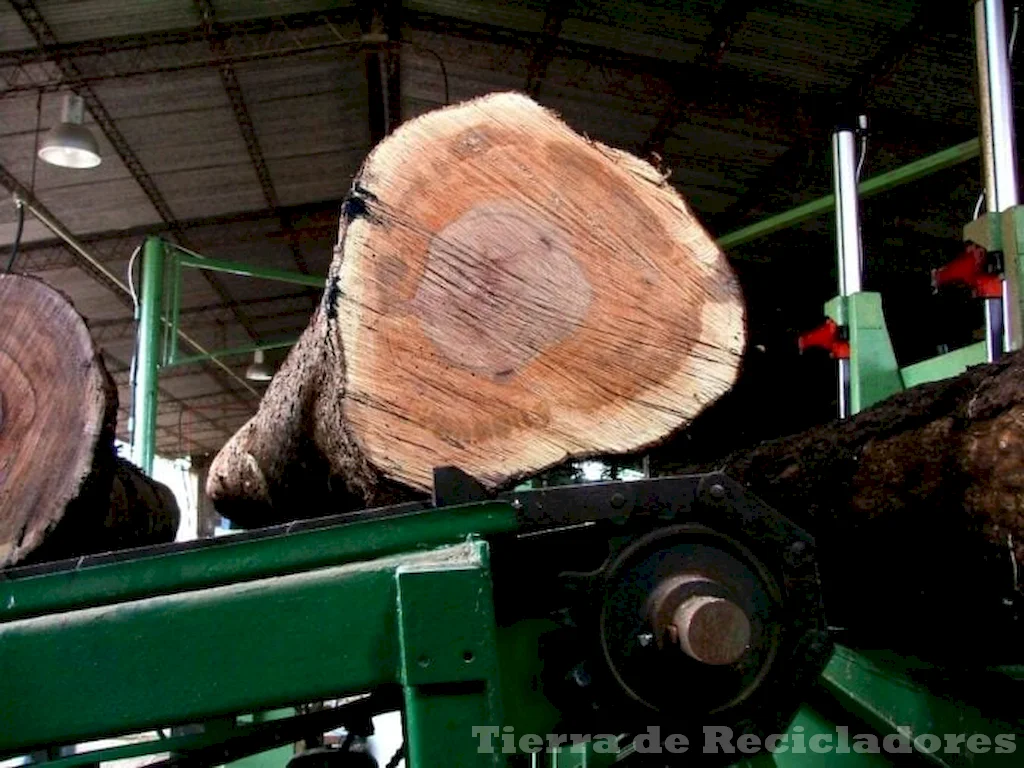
{"points": [[505, 294], [63, 491], [918, 507]]}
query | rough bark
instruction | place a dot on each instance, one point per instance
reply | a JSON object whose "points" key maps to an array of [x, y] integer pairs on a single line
{"points": [[918, 505], [505, 295], [58, 412]]}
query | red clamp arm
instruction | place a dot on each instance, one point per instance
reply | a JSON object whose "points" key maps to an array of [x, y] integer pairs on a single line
{"points": [[827, 336], [970, 268]]}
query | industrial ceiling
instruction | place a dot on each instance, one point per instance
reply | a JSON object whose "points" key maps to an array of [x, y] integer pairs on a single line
{"points": [[234, 128]]}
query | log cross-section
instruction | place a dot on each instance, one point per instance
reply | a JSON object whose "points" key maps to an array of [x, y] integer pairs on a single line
{"points": [[505, 295]]}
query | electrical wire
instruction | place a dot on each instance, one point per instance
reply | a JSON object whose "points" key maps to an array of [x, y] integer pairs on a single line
{"points": [[18, 230], [130, 274], [862, 124], [440, 63], [863, 154], [396, 758]]}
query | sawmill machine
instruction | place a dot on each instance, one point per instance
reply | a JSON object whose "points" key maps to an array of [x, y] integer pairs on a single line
{"points": [[675, 620]]}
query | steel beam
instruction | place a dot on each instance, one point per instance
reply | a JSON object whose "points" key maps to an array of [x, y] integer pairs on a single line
{"points": [[206, 316], [372, 26], [998, 149], [173, 51], [544, 48], [118, 244], [233, 88], [707, 88], [147, 356], [314, 635], [391, 12]]}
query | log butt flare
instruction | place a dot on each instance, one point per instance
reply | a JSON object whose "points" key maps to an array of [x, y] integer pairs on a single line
{"points": [[505, 295], [63, 491]]}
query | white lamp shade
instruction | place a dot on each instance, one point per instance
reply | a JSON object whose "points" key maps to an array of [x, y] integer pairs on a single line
{"points": [[69, 144], [259, 370]]}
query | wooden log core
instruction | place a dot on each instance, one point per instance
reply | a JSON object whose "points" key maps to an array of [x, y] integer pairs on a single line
{"points": [[491, 313]]}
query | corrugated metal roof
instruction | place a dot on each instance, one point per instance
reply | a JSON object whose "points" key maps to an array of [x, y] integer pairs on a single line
{"points": [[13, 34], [74, 20], [237, 10], [667, 29], [518, 15], [814, 46]]}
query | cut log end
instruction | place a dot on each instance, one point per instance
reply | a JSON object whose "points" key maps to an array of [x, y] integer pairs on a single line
{"points": [[58, 408], [522, 296], [63, 490], [505, 295]]}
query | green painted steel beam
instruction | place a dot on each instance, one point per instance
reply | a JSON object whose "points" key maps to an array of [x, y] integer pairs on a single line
{"points": [[189, 258], [884, 182], [248, 349], [944, 366], [450, 666], [147, 355], [226, 561], [196, 655], [894, 695], [188, 657], [874, 372]]}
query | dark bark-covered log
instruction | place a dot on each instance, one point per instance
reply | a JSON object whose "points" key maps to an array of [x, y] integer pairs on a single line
{"points": [[918, 507], [58, 412], [505, 295]]}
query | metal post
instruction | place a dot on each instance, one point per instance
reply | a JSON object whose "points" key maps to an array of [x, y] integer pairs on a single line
{"points": [[998, 150], [147, 356], [884, 182], [848, 244]]}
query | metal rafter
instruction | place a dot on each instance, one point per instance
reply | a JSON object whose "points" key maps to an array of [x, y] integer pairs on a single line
{"points": [[45, 39], [706, 86], [544, 49], [229, 78], [371, 23], [175, 51], [118, 245], [391, 11], [795, 163]]}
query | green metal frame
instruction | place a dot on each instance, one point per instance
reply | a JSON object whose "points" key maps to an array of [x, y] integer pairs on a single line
{"points": [[874, 371], [423, 621], [206, 634], [159, 316]]}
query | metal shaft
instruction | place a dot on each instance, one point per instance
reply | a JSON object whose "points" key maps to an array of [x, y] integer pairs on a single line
{"points": [[147, 356], [848, 243], [998, 147]]}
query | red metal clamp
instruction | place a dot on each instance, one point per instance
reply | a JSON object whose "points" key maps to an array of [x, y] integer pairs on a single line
{"points": [[973, 268], [828, 336]]}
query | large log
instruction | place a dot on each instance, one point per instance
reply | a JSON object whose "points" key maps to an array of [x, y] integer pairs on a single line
{"points": [[505, 294], [918, 507], [58, 412]]}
